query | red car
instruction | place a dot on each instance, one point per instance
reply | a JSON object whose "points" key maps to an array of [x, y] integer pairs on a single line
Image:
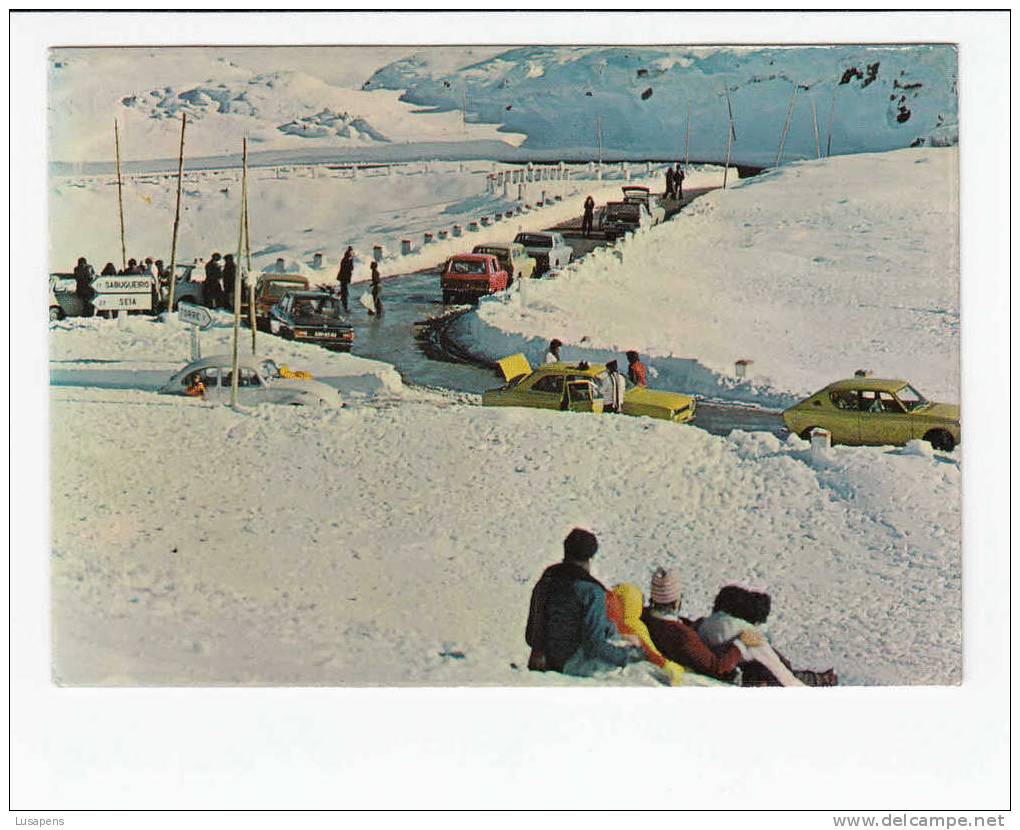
{"points": [[470, 276]]}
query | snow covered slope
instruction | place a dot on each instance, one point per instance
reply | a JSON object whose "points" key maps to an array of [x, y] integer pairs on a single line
{"points": [[146, 90], [885, 97], [390, 545], [812, 271]]}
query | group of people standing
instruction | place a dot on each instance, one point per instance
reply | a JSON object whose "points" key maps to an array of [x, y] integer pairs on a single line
{"points": [[612, 386], [220, 281], [346, 274], [84, 274], [675, 183], [578, 627]]}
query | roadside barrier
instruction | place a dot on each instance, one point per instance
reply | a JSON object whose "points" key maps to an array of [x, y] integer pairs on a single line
{"points": [[457, 230], [405, 247], [377, 253], [428, 238], [317, 259], [742, 368]]}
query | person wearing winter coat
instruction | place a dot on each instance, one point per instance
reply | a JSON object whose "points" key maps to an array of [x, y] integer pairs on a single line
{"points": [[567, 628], [229, 279], [553, 354], [678, 182], [589, 216], [83, 276], [636, 370], [109, 270], [345, 274], [670, 184], [738, 610], [676, 638], [612, 388], [624, 606], [376, 289], [213, 287]]}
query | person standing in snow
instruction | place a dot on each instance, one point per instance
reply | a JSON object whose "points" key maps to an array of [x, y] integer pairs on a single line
{"points": [[376, 289], [678, 182], [345, 274], [553, 355], [612, 388], [109, 270], [670, 184], [229, 279], [213, 286], [636, 369], [83, 276], [567, 628], [589, 216], [676, 638]]}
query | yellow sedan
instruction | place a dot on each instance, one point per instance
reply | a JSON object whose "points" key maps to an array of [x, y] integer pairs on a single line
{"points": [[876, 412], [574, 387]]}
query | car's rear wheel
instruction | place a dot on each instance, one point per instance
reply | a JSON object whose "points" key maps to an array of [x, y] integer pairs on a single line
{"points": [[55, 312], [940, 440]]}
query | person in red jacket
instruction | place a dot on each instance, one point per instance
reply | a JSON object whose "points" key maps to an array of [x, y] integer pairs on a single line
{"points": [[675, 637], [636, 370]]}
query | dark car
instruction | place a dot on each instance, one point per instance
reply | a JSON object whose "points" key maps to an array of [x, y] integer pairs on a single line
{"points": [[311, 317]]}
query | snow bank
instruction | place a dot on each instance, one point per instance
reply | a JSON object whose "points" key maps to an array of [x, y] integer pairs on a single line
{"points": [[142, 353], [393, 545], [811, 271]]}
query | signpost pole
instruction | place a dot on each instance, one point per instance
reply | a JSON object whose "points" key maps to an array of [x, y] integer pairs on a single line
{"points": [[177, 220], [247, 256], [687, 136], [120, 197], [786, 127], [832, 115], [237, 278]]}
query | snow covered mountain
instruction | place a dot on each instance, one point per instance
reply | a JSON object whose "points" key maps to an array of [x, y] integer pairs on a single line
{"points": [[878, 97]]}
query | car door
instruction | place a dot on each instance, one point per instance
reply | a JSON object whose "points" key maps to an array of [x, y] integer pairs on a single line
{"points": [[581, 396], [883, 420], [842, 417], [546, 392], [214, 391]]}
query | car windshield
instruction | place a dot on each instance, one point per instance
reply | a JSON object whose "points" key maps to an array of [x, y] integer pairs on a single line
{"points": [[534, 240], [911, 399], [277, 289], [466, 266]]}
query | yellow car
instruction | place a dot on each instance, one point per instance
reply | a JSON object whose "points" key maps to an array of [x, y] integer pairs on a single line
{"points": [[876, 412], [512, 256], [574, 387]]}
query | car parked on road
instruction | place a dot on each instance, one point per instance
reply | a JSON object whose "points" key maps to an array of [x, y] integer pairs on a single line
{"points": [[875, 412], [63, 300], [311, 317], [574, 387], [639, 193], [466, 277], [259, 380], [269, 290], [186, 289], [513, 258], [619, 218], [547, 248]]}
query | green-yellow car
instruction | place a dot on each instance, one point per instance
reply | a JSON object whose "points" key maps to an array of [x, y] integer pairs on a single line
{"points": [[512, 256], [574, 387], [876, 412]]}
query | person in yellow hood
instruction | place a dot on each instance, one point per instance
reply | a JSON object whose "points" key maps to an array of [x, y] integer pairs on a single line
{"points": [[624, 605]]}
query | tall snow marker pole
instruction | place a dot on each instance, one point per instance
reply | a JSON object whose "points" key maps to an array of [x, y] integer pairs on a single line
{"points": [[786, 127], [177, 221], [730, 136], [237, 282], [120, 197], [814, 123], [247, 254], [832, 114], [687, 136]]}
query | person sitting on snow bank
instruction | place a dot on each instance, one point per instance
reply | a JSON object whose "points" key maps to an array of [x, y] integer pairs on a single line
{"points": [[739, 610], [568, 629]]}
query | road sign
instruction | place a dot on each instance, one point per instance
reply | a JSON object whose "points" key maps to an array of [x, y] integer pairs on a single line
{"points": [[194, 314], [126, 284], [120, 302]]}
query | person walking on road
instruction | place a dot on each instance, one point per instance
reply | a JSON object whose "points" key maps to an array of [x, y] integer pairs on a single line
{"points": [[553, 355], [670, 184], [377, 289], [589, 216], [612, 389], [636, 370], [678, 181], [345, 274], [213, 286]]}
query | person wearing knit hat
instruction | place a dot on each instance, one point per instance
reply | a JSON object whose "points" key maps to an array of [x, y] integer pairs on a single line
{"points": [[568, 629], [677, 640]]}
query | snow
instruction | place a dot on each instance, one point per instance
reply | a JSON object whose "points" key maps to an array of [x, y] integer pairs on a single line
{"points": [[811, 271], [377, 543]]}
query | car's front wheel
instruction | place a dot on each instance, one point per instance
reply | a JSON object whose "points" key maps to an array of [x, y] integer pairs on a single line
{"points": [[806, 433], [940, 439], [55, 312]]}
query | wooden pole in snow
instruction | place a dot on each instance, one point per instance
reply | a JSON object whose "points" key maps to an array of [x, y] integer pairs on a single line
{"points": [[786, 127], [730, 135], [239, 274], [120, 197], [687, 136], [247, 255], [177, 221], [832, 114], [814, 123]]}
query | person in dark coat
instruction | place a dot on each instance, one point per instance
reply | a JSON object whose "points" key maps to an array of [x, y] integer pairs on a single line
{"points": [[589, 215], [567, 628], [678, 182], [229, 278], [344, 275], [670, 184], [636, 369], [213, 285], [109, 270], [83, 276], [376, 289]]}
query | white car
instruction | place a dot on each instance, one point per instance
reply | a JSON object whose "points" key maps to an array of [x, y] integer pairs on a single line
{"points": [[547, 248], [258, 381]]}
